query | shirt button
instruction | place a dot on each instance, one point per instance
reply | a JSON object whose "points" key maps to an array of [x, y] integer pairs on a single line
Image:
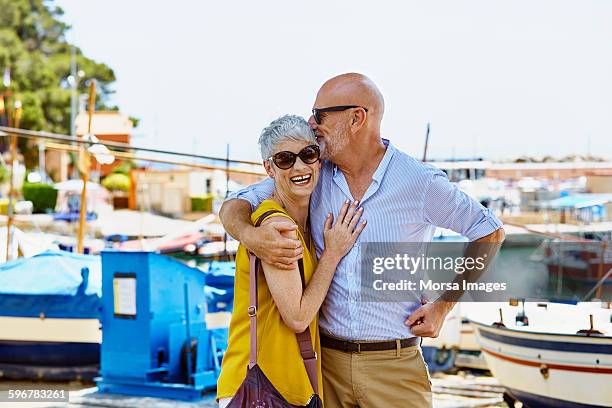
{"points": [[352, 300]]}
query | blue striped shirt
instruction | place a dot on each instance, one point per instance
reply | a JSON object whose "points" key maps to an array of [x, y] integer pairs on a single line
{"points": [[405, 202]]}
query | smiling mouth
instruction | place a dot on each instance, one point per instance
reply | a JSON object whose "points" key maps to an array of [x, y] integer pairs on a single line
{"points": [[301, 180]]}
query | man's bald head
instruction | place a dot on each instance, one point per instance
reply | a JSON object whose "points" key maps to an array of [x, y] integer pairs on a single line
{"points": [[343, 133], [352, 89]]}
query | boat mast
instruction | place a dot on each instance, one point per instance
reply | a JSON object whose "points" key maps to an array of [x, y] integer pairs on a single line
{"points": [[426, 144]]}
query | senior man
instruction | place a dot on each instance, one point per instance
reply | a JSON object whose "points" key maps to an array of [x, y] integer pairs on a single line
{"points": [[371, 354]]}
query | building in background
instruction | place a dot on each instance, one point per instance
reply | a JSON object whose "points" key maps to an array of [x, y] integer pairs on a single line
{"points": [[547, 170], [599, 182], [107, 126], [169, 190]]}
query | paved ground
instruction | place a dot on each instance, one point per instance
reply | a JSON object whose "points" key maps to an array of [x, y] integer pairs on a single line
{"points": [[450, 391]]}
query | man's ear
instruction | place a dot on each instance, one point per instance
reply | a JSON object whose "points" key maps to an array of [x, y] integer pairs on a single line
{"points": [[358, 120], [268, 168]]}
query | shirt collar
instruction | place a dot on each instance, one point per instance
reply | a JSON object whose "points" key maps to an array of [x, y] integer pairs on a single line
{"points": [[384, 163]]}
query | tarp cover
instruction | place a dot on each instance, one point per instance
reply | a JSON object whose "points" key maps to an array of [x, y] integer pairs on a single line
{"points": [[51, 273], [221, 275], [578, 201], [54, 283]]}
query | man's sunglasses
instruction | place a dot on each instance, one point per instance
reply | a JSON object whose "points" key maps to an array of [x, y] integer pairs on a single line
{"points": [[285, 160], [316, 112]]}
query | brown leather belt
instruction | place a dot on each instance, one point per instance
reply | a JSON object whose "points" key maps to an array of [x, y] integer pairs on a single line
{"points": [[358, 347]]}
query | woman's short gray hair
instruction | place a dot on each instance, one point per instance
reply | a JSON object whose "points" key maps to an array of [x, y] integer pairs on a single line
{"points": [[288, 127]]}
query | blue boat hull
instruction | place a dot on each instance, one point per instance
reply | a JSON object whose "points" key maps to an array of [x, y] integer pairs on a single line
{"points": [[55, 361], [439, 360]]}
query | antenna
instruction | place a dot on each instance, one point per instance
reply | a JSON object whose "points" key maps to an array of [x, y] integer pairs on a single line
{"points": [[227, 180], [426, 144]]}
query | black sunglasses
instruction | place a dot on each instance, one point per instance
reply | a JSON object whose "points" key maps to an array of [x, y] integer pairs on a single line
{"points": [[285, 160], [316, 112]]}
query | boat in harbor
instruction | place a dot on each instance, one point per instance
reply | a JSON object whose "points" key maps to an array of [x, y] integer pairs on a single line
{"points": [[562, 357], [49, 316], [583, 263], [440, 353]]}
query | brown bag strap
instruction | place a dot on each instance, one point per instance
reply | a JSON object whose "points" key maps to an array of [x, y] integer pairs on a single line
{"points": [[252, 310], [304, 339], [254, 264]]}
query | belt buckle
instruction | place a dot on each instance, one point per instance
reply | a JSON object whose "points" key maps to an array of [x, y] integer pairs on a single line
{"points": [[351, 349]]}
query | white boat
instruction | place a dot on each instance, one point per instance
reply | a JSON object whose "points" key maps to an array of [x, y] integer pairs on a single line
{"points": [[555, 361], [459, 335], [25, 244], [469, 354], [440, 353]]}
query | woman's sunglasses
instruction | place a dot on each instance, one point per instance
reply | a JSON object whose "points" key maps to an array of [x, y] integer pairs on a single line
{"points": [[285, 160], [316, 112]]}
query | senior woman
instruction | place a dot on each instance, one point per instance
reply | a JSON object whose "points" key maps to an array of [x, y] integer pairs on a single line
{"points": [[291, 157]]}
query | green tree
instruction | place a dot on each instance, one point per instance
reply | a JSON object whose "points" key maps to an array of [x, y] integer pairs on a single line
{"points": [[116, 182], [33, 46]]}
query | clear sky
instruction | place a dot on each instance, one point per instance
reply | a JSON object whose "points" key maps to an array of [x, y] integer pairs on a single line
{"points": [[495, 78]]}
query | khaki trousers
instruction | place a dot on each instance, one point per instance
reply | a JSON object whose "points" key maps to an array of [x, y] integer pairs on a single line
{"points": [[376, 379]]}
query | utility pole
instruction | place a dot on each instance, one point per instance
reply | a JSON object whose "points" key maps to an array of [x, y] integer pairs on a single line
{"points": [[74, 83], [84, 164], [73, 80], [12, 192], [41, 161]]}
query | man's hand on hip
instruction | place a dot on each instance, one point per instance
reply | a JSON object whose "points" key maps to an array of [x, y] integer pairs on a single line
{"points": [[428, 319], [275, 243]]}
